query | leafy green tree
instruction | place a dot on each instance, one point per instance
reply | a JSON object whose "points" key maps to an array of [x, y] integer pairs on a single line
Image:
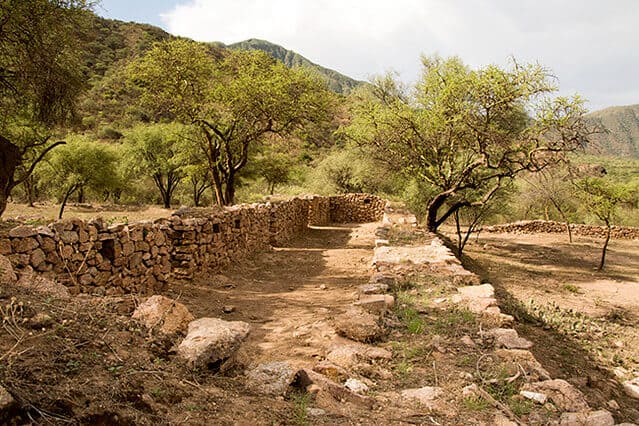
{"points": [[155, 151], [236, 99], [78, 165], [274, 168], [40, 79], [603, 196], [463, 131]]}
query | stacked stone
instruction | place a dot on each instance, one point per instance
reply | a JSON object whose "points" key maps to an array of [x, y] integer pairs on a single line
{"points": [[359, 208], [288, 219], [90, 255], [544, 226], [319, 211]]}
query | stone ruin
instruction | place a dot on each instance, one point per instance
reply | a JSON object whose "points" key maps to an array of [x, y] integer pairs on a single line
{"points": [[141, 257]]}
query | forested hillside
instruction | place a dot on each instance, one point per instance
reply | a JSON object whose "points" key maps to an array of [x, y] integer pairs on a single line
{"points": [[620, 136]]}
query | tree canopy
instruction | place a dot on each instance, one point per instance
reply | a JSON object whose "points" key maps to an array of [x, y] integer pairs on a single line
{"points": [[464, 132], [235, 99]]}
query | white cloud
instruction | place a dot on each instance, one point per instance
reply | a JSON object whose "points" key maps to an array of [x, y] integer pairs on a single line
{"points": [[588, 44]]}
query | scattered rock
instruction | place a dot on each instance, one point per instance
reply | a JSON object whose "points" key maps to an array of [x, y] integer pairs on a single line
{"points": [[376, 288], [162, 314], [228, 309], [380, 278], [6, 403], [526, 360], [7, 276], [539, 398], [564, 395], [273, 378], [356, 386], [376, 303], [315, 412], [212, 340], [592, 418], [632, 388], [613, 405], [477, 291], [40, 320], [467, 341], [359, 325], [501, 420], [331, 370], [508, 338], [322, 385], [426, 396], [349, 355]]}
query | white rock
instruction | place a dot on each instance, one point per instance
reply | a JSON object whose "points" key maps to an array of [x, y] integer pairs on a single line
{"points": [[477, 291], [535, 396], [564, 395], [210, 340], [426, 395]]}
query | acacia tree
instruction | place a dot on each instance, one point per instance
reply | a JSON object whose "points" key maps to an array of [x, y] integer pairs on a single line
{"points": [[40, 79], [155, 151], [463, 131], [235, 98], [602, 196]]}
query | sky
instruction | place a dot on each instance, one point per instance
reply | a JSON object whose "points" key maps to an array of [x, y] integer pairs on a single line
{"points": [[589, 45]]}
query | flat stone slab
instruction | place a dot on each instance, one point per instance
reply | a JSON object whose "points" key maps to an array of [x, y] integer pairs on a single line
{"points": [[477, 291], [159, 313], [564, 395], [509, 339], [358, 324], [210, 340], [349, 355]]}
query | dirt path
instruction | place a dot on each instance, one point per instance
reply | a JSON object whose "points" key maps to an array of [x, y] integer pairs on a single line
{"points": [[289, 294]]}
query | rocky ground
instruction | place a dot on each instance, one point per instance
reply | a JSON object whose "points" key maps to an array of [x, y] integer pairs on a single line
{"points": [[350, 324]]}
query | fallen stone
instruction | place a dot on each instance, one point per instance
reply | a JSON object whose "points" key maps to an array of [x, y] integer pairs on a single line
{"points": [[526, 360], [315, 412], [322, 385], [358, 324], [467, 341], [7, 275], [212, 340], [592, 418], [632, 388], [331, 370], [426, 396], [349, 355], [40, 320], [376, 303], [38, 284], [6, 403], [377, 288], [508, 338], [564, 395], [380, 278], [159, 313], [477, 291], [23, 231], [381, 242], [272, 378], [356, 386], [539, 398], [229, 309]]}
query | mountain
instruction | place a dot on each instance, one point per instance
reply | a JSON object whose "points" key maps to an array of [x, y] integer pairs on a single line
{"points": [[336, 82], [621, 131]]}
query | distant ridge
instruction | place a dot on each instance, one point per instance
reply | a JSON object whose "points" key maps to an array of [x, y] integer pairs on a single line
{"points": [[336, 82], [621, 137]]}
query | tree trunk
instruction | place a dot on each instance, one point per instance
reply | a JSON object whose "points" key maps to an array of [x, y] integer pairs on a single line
{"points": [[433, 208], [10, 159], [605, 247], [81, 195], [65, 199], [3, 202], [230, 190]]}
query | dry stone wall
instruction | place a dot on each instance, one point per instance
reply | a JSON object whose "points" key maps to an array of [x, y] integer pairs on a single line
{"points": [[545, 226], [95, 257]]}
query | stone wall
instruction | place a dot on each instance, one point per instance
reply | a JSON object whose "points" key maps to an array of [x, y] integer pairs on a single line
{"points": [[141, 257], [544, 226]]}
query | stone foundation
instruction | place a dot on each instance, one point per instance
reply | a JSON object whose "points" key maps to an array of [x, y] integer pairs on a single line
{"points": [[552, 227]]}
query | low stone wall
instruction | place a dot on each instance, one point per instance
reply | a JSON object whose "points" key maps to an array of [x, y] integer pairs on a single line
{"points": [[544, 226], [141, 257]]}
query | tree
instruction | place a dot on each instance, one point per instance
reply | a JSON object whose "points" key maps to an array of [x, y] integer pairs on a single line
{"points": [[40, 79], [154, 151], [464, 131], [274, 168], [235, 98], [81, 164], [603, 196]]}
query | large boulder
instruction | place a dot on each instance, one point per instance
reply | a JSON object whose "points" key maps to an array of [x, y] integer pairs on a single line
{"points": [[159, 313], [212, 340], [358, 324]]}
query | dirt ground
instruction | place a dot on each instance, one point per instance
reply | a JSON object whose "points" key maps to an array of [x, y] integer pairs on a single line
{"points": [[584, 323]]}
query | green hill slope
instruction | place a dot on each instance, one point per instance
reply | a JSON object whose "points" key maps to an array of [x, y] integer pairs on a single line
{"points": [[337, 82], [621, 136]]}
